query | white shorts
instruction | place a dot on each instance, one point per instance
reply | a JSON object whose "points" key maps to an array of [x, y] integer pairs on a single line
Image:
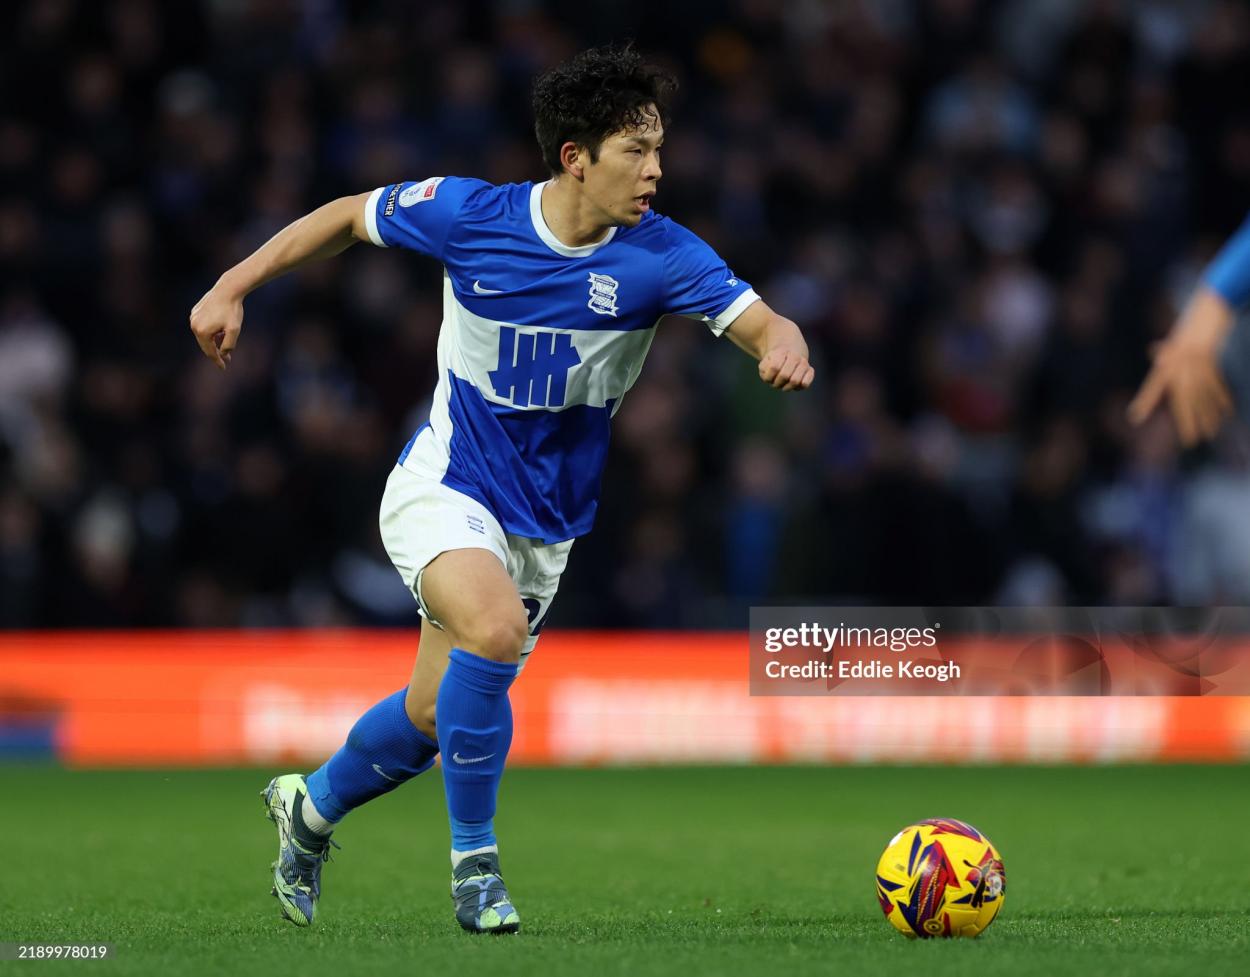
{"points": [[422, 518]]}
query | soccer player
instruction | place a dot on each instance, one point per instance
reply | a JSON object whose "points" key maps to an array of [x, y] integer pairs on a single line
{"points": [[1187, 370], [551, 297]]}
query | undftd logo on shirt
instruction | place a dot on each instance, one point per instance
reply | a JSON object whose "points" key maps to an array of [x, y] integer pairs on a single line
{"points": [[533, 368]]}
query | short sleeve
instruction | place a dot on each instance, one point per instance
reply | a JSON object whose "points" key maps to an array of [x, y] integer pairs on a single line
{"points": [[699, 285], [1229, 273], [417, 215]]}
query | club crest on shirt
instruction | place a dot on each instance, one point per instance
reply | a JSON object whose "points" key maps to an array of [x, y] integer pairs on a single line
{"points": [[603, 294]]}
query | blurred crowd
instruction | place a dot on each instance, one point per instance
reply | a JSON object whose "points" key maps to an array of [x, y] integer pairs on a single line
{"points": [[981, 213]]}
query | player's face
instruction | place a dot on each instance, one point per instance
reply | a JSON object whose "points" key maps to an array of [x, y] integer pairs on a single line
{"points": [[624, 179]]}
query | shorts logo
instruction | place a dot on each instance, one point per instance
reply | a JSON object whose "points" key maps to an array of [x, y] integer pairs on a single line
{"points": [[603, 294], [476, 524], [419, 193], [533, 368], [390, 201]]}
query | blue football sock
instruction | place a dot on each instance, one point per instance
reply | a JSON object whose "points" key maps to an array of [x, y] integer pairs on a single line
{"points": [[383, 750], [474, 720]]}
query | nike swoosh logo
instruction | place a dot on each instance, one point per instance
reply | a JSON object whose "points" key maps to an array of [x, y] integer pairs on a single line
{"points": [[383, 773], [477, 287], [476, 759]]}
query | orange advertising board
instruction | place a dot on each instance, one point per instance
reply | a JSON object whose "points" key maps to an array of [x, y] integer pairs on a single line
{"points": [[177, 698]]}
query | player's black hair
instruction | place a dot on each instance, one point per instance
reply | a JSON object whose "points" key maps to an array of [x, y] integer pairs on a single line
{"points": [[601, 91]]}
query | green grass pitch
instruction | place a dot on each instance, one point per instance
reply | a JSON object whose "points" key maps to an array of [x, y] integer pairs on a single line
{"points": [[1111, 870]]}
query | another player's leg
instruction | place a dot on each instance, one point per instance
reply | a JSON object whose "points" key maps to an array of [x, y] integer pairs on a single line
{"points": [[471, 594], [384, 749]]}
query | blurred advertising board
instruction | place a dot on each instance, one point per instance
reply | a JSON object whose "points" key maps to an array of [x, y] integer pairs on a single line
{"points": [[266, 697]]}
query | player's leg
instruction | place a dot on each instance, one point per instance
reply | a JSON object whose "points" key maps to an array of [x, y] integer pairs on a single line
{"points": [[534, 569], [471, 594], [383, 750], [427, 673]]}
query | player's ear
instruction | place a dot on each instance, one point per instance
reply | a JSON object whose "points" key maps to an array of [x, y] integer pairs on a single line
{"points": [[574, 158]]}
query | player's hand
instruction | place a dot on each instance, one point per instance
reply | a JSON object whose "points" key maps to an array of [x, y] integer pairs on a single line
{"points": [[785, 369], [1186, 374], [215, 323]]}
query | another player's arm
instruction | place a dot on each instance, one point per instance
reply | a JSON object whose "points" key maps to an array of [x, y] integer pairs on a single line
{"points": [[777, 343], [217, 318], [1186, 369]]}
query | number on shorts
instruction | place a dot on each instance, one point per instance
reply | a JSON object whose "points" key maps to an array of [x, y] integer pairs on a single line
{"points": [[532, 607]]}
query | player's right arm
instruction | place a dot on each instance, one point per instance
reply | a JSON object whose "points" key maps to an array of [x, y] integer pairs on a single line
{"points": [[1186, 370], [217, 318]]}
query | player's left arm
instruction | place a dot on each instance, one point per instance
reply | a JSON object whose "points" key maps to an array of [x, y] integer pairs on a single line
{"points": [[777, 343]]}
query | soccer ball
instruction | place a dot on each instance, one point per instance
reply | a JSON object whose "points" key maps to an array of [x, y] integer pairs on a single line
{"points": [[940, 877]]}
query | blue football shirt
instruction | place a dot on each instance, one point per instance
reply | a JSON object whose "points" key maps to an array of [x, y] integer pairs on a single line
{"points": [[540, 341]]}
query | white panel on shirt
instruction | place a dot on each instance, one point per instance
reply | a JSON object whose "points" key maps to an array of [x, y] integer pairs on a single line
{"points": [[610, 359]]}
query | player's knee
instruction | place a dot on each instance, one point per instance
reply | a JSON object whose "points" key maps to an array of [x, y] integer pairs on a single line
{"points": [[499, 637]]}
